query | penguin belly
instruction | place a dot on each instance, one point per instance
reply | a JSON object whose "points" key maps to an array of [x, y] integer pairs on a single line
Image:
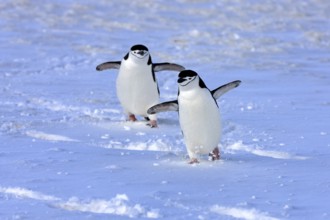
{"points": [[136, 89], [200, 123]]}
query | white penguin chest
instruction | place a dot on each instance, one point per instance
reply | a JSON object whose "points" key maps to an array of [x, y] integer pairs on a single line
{"points": [[200, 120], [136, 88]]}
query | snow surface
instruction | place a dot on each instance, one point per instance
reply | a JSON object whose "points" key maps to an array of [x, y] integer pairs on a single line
{"points": [[67, 153]]}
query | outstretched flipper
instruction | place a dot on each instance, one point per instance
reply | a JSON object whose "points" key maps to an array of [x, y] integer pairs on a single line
{"points": [[167, 66], [164, 107], [108, 65], [216, 93]]}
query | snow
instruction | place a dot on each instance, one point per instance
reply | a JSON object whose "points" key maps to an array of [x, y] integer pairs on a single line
{"points": [[66, 151], [249, 214], [47, 137], [115, 206]]}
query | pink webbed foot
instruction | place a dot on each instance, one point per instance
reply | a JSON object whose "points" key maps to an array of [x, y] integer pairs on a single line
{"points": [[152, 124], [131, 117], [193, 161]]}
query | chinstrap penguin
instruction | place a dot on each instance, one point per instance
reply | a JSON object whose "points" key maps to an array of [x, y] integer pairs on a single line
{"points": [[136, 84], [198, 114]]}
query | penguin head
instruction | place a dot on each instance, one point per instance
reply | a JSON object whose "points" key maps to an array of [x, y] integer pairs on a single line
{"points": [[139, 51], [189, 79]]}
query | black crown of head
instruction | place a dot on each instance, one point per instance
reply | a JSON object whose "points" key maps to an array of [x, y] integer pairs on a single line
{"points": [[187, 73], [139, 47]]}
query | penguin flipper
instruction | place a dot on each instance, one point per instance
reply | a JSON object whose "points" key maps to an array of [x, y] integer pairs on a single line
{"points": [[167, 66], [216, 93], [108, 65], [164, 107]]}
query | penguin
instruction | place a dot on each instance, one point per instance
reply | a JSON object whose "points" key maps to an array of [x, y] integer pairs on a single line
{"points": [[199, 114], [136, 84]]}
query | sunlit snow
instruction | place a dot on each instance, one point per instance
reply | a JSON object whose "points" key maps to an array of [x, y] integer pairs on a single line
{"points": [[66, 151]]}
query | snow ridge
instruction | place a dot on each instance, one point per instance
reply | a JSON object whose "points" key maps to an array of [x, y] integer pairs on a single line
{"points": [[247, 214], [25, 193], [239, 146], [115, 206], [48, 137]]}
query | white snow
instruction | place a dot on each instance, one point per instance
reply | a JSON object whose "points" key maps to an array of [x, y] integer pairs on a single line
{"points": [[248, 214], [239, 146], [116, 206], [66, 151], [48, 137], [25, 193]]}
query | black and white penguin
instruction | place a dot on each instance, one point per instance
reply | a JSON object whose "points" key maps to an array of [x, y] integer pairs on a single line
{"points": [[198, 114], [136, 84]]}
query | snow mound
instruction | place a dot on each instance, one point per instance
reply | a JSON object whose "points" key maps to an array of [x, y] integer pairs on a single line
{"points": [[25, 193], [48, 137], [247, 214], [115, 206], [239, 146], [150, 145]]}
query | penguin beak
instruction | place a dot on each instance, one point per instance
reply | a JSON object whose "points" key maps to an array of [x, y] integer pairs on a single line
{"points": [[181, 80], [141, 52]]}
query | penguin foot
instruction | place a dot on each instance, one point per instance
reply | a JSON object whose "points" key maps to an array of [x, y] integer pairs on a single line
{"points": [[152, 124], [193, 161], [215, 154], [131, 117]]}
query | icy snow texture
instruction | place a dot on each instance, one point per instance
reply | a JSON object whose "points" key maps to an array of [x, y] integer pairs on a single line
{"points": [[67, 153], [248, 214], [116, 206]]}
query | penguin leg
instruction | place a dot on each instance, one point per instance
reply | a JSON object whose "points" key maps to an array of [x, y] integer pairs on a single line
{"points": [[215, 154]]}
